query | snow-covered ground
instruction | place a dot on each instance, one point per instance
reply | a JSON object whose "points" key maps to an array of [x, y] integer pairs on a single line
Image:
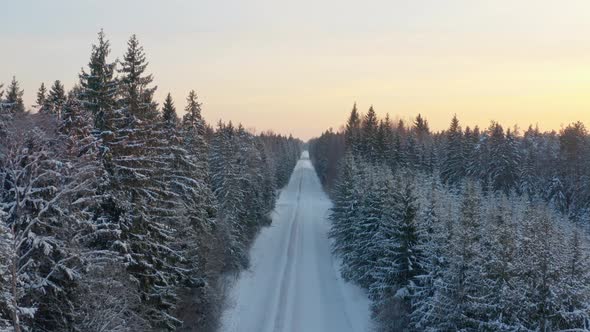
{"points": [[293, 284]]}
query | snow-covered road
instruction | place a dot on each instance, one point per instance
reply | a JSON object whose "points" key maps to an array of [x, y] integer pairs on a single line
{"points": [[293, 284]]}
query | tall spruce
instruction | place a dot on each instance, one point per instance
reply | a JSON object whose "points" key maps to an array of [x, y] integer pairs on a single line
{"points": [[56, 99], [13, 102]]}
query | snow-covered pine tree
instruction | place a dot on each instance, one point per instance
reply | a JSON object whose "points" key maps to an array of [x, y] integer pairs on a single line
{"points": [[105, 296], [433, 243], [574, 286], [384, 139], [352, 135], [556, 195], [268, 185], [498, 301], [401, 260], [13, 102], [98, 88], [366, 248], [147, 206], [412, 154], [250, 169], [97, 92], [136, 94], [453, 163], [503, 167], [194, 129], [574, 149], [344, 212], [6, 313], [33, 196], [56, 99], [41, 101], [537, 264], [196, 164], [187, 206], [227, 186], [397, 157], [169, 116], [462, 279], [369, 128]]}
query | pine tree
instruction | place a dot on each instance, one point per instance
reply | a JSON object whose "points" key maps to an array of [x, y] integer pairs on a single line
{"points": [[537, 261], [98, 88], [136, 94], [8, 316], [453, 163], [433, 242], [44, 264], [498, 301], [352, 131], [574, 150], [41, 101], [384, 139], [139, 157], [503, 159], [462, 279], [344, 212], [421, 128], [56, 99], [227, 186], [574, 287], [194, 126], [556, 195], [362, 260], [169, 116], [369, 128], [13, 103], [401, 259]]}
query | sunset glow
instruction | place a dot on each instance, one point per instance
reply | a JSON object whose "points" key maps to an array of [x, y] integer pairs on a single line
{"points": [[299, 67]]}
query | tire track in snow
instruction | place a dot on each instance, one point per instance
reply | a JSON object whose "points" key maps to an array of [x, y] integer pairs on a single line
{"points": [[288, 270]]}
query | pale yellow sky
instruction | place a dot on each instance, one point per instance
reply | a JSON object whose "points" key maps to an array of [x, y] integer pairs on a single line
{"points": [[297, 67]]}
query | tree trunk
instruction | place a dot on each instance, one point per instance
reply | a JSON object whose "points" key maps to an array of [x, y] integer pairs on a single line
{"points": [[14, 278]]}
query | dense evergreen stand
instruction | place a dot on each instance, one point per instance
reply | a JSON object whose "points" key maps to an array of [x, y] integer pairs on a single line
{"points": [[461, 230], [116, 215]]}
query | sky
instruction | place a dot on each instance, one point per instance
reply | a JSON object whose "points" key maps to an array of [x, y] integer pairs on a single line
{"points": [[298, 66]]}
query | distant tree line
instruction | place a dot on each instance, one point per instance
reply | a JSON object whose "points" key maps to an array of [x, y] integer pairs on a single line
{"points": [[461, 230], [116, 214]]}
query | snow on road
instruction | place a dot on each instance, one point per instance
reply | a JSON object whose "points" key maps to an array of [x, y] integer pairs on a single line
{"points": [[293, 284]]}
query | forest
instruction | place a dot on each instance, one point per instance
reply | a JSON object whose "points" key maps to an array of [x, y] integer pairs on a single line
{"points": [[116, 214], [466, 229]]}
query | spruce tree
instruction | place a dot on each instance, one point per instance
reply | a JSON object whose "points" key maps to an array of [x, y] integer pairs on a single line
{"points": [[227, 186], [453, 163], [136, 94], [400, 261], [369, 129], [361, 261], [98, 88], [56, 99], [13, 103], [344, 212], [169, 116], [41, 101], [433, 242], [352, 131], [44, 264], [149, 208]]}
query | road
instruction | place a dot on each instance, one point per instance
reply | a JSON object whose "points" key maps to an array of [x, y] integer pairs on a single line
{"points": [[293, 284]]}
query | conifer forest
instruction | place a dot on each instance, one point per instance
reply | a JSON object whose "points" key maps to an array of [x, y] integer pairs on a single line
{"points": [[123, 210], [467, 229], [117, 214]]}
